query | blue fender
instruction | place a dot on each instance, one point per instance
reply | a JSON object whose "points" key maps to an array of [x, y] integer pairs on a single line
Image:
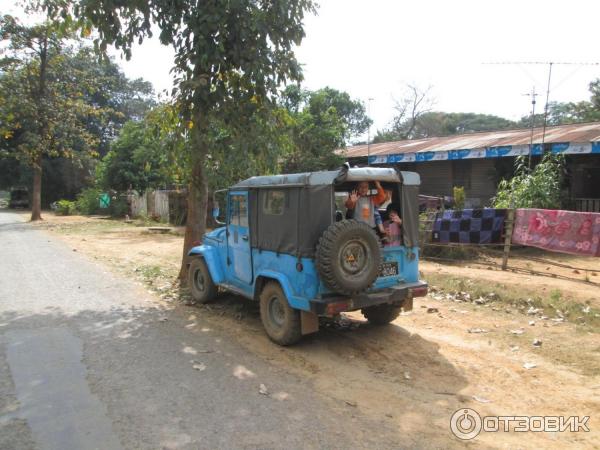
{"points": [[211, 257], [293, 300]]}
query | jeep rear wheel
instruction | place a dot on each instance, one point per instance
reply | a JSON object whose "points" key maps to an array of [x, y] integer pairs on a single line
{"points": [[281, 322], [381, 314], [200, 282], [348, 257]]}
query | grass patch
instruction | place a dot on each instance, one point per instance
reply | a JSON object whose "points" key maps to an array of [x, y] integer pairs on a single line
{"points": [[150, 272], [553, 305]]}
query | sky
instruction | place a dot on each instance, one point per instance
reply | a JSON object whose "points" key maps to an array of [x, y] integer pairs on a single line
{"points": [[373, 49]]}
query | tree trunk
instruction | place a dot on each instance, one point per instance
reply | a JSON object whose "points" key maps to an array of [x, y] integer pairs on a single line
{"points": [[36, 202], [197, 197]]}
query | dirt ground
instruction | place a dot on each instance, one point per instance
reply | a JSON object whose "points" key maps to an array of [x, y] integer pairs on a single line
{"points": [[445, 355]]}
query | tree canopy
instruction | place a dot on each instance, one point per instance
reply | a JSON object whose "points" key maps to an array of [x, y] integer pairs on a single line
{"points": [[59, 108], [42, 108], [320, 122]]}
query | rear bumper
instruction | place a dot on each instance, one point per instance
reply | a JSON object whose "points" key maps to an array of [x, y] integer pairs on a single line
{"points": [[400, 295]]}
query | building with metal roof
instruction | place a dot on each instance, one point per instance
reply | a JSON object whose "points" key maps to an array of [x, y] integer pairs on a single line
{"points": [[477, 161]]}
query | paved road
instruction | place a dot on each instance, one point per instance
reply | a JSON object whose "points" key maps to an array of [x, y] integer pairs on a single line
{"points": [[89, 361]]}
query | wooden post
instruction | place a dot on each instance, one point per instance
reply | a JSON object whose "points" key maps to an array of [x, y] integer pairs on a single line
{"points": [[508, 229]]}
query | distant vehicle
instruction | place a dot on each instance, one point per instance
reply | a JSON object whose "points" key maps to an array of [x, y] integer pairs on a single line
{"points": [[19, 198], [286, 244]]}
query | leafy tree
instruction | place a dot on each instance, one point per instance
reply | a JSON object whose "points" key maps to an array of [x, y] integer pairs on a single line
{"points": [[133, 161], [537, 188], [230, 57], [42, 109], [117, 97], [86, 102], [320, 122]]}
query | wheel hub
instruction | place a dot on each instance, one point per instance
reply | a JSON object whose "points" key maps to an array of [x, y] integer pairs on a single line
{"points": [[276, 311], [353, 256], [198, 280]]}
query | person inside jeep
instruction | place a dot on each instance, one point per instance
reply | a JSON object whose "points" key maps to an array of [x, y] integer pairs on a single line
{"points": [[362, 206], [393, 226]]}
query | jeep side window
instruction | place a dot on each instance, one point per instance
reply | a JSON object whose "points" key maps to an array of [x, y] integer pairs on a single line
{"points": [[275, 202], [238, 211]]}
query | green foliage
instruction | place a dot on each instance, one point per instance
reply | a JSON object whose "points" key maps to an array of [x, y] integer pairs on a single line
{"points": [[135, 160], [320, 122], [88, 201], [59, 105], [65, 208], [225, 52], [537, 188], [459, 197], [41, 94], [300, 136], [118, 206]]}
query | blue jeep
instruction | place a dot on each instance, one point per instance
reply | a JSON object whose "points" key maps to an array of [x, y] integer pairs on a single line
{"points": [[286, 242]]}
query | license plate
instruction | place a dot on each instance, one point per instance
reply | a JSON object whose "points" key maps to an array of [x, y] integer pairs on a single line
{"points": [[388, 269]]}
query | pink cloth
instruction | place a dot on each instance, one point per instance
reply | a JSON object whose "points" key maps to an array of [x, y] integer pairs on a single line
{"points": [[560, 231], [394, 234]]}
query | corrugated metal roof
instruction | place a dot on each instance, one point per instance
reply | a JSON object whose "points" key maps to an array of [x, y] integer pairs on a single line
{"points": [[575, 133]]}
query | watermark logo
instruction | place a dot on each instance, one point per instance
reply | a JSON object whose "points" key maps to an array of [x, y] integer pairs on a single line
{"points": [[466, 424]]}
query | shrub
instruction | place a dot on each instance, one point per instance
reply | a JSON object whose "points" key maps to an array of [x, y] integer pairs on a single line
{"points": [[537, 188], [459, 197], [65, 208], [88, 201], [118, 206]]}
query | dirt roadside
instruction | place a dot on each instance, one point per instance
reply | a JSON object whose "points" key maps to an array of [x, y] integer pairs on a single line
{"points": [[446, 355]]}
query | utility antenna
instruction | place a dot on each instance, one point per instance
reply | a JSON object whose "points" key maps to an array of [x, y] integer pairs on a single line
{"points": [[549, 64], [533, 95]]}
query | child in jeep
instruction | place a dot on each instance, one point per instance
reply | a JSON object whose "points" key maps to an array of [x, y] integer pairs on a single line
{"points": [[392, 227], [362, 205]]}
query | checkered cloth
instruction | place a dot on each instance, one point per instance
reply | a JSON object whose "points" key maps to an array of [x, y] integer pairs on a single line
{"points": [[469, 226]]}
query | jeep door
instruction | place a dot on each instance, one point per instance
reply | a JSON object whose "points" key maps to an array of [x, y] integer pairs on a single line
{"points": [[238, 237]]}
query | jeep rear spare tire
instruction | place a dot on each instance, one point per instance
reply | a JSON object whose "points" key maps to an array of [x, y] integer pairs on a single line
{"points": [[348, 257]]}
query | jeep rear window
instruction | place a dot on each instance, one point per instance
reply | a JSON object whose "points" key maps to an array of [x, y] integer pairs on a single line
{"points": [[274, 203]]}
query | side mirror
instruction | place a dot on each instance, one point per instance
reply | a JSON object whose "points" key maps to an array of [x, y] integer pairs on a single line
{"points": [[215, 212]]}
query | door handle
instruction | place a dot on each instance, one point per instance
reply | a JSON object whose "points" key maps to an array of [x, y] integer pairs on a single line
{"points": [[244, 237]]}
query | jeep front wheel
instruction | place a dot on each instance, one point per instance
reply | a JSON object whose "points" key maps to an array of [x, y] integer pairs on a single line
{"points": [[381, 314], [200, 282], [281, 322]]}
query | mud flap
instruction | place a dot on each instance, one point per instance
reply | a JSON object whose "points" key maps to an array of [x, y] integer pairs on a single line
{"points": [[309, 322]]}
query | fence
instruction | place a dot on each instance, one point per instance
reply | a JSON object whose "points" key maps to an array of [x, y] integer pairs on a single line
{"points": [[500, 249], [163, 205], [587, 204]]}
